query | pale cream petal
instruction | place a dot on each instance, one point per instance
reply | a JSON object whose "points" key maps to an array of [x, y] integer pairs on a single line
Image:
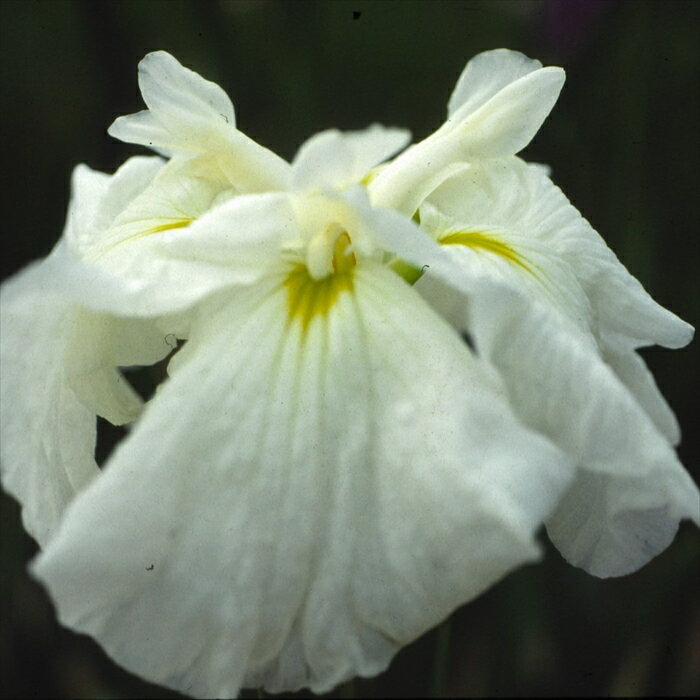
{"points": [[620, 304], [337, 159], [189, 109], [495, 246], [48, 435], [500, 127], [251, 167], [508, 121], [485, 75], [521, 206], [99, 345], [143, 128], [246, 233], [59, 372], [174, 199], [579, 383], [610, 527], [188, 114], [129, 181], [305, 495], [235, 242], [629, 481], [97, 199], [634, 374], [88, 189]]}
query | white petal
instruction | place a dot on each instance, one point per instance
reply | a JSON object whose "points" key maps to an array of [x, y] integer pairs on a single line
{"points": [[99, 345], [245, 233], [143, 128], [485, 75], [97, 199], [179, 228], [178, 95], [623, 307], [296, 504], [128, 182], [190, 114], [509, 120], [634, 374], [336, 159], [514, 237], [522, 205], [610, 527], [500, 127], [630, 481], [190, 108], [88, 189], [234, 243], [48, 435], [59, 371], [251, 167], [392, 232], [176, 197], [620, 304]]}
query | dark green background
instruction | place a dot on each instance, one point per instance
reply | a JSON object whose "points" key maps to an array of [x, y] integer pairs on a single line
{"points": [[623, 144]]}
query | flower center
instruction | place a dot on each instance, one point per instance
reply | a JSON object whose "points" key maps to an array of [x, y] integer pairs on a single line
{"points": [[313, 288], [328, 253]]}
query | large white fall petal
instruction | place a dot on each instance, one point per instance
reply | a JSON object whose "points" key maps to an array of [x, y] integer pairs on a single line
{"points": [[520, 202], [59, 371], [506, 219], [631, 491], [304, 496], [59, 360], [556, 313], [48, 435]]}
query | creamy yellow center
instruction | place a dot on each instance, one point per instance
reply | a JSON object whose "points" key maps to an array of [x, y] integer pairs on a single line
{"points": [[309, 297]]}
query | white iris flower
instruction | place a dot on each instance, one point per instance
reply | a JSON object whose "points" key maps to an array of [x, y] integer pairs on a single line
{"points": [[329, 470]]}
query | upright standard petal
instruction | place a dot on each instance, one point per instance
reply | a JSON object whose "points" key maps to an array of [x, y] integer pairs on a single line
{"points": [[485, 75], [181, 103], [341, 474], [191, 115], [510, 103], [338, 159]]}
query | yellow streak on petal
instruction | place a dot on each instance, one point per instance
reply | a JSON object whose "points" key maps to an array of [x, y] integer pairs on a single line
{"points": [[179, 223], [308, 298], [487, 243]]}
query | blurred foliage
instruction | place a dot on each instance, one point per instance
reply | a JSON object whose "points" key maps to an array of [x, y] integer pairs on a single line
{"points": [[623, 144]]}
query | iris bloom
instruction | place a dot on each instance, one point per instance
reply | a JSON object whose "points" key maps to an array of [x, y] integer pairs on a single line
{"points": [[329, 470]]}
